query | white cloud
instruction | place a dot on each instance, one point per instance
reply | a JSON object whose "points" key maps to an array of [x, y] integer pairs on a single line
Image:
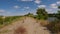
{"points": [[58, 2], [53, 6], [51, 10], [26, 7], [37, 1], [2, 11], [16, 7], [26, 0], [41, 6]]}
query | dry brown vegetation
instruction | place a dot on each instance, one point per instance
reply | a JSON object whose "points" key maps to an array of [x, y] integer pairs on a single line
{"points": [[43, 22]]}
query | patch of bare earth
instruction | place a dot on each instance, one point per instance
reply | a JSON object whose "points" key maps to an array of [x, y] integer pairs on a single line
{"points": [[26, 26]]}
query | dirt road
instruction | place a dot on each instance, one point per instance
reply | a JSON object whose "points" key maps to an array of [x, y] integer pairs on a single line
{"points": [[26, 26]]}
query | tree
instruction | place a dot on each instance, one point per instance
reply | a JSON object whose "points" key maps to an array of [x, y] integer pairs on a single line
{"points": [[58, 16], [59, 7], [29, 14], [41, 13], [1, 20], [54, 26]]}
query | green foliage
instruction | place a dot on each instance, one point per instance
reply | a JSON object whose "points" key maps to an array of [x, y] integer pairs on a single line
{"points": [[8, 20], [52, 15], [59, 7], [29, 14], [58, 16], [1, 20], [41, 13]]}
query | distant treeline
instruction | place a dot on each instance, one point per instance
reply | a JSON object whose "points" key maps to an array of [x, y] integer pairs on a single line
{"points": [[53, 15]]}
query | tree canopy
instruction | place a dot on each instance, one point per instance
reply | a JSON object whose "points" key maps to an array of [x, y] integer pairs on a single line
{"points": [[41, 13], [59, 7], [58, 16]]}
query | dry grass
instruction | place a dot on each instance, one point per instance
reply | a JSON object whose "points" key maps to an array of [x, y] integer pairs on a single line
{"points": [[43, 22], [4, 31]]}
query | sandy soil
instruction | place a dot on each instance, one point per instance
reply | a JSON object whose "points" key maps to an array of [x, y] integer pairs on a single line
{"points": [[26, 26]]}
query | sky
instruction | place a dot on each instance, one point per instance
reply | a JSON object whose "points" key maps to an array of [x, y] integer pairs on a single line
{"points": [[22, 7]]}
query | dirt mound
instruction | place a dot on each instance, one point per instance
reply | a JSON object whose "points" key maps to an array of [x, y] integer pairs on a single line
{"points": [[20, 30]]}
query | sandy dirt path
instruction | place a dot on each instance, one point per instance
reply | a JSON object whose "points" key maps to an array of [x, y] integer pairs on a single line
{"points": [[26, 26]]}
